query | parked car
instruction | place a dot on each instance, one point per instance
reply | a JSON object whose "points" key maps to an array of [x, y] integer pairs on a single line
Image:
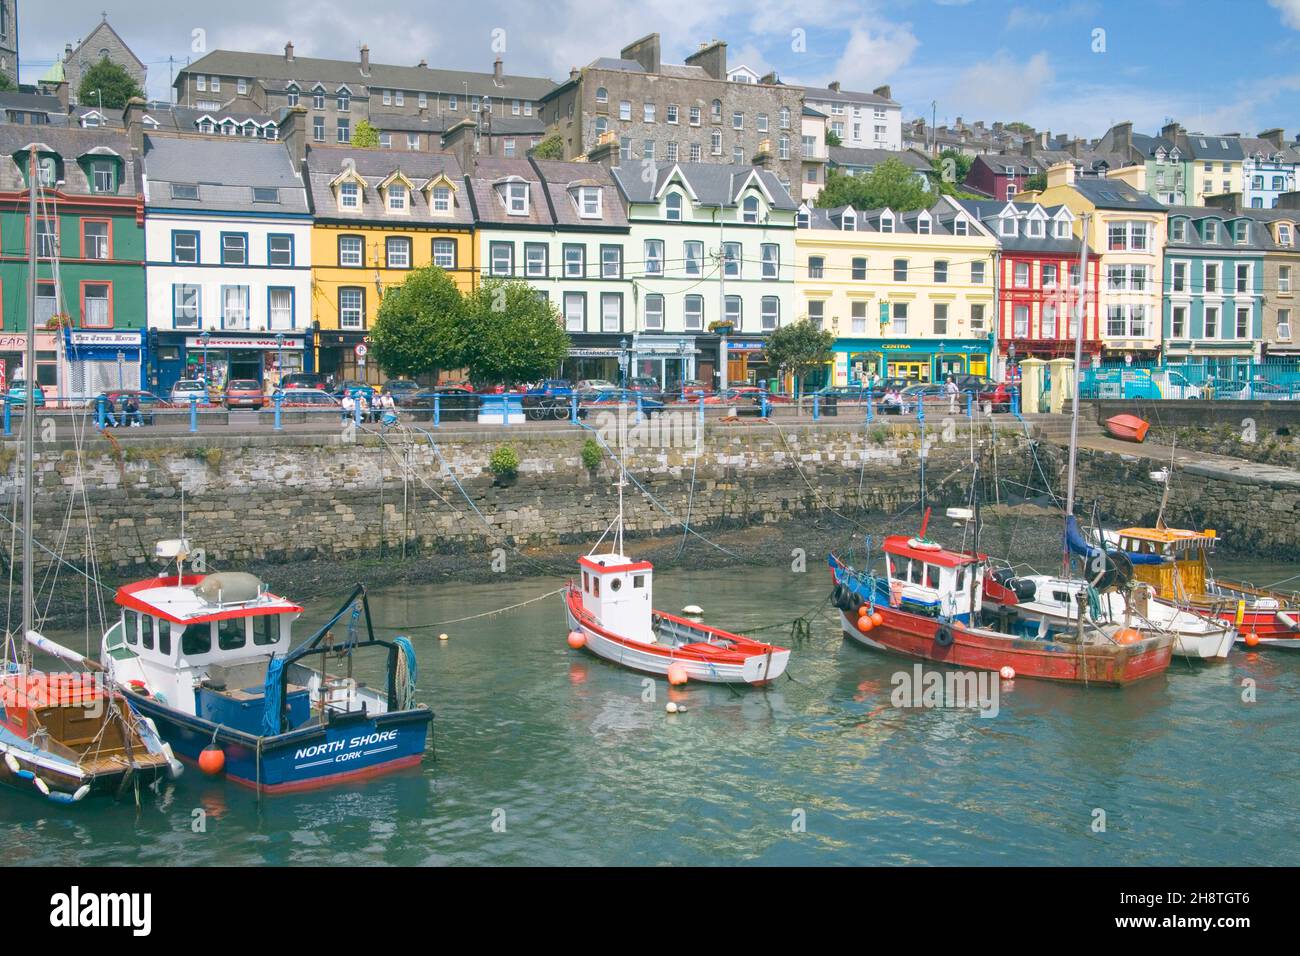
{"points": [[550, 388], [243, 393], [17, 393], [306, 398], [302, 380], [1252, 391], [352, 387], [986, 391], [590, 384], [455, 404], [742, 394], [401, 389], [115, 403], [612, 398], [187, 390]]}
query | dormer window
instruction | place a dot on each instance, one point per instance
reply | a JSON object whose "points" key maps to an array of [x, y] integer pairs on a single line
{"points": [[673, 207], [440, 199], [1062, 229], [960, 227], [344, 99], [397, 198], [1034, 229], [103, 176], [1210, 230], [1178, 230], [923, 224], [1283, 234], [1007, 226], [47, 169], [349, 196], [749, 209], [849, 221], [515, 196], [589, 205], [802, 219], [1241, 231], [291, 95]]}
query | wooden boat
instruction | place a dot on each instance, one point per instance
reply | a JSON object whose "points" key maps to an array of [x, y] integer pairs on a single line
{"points": [[929, 606], [1175, 563], [208, 658], [1127, 427]]}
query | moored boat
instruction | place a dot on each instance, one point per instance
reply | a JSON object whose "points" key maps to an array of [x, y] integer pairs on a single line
{"points": [[1128, 427]]}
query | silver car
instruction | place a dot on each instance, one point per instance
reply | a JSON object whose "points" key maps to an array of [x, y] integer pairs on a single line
{"points": [[187, 389]]}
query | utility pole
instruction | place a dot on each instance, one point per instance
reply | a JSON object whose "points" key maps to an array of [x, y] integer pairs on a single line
{"points": [[723, 356]]}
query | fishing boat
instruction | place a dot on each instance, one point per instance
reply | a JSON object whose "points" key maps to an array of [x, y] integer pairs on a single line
{"points": [[1128, 427], [610, 613], [64, 735], [208, 658]]}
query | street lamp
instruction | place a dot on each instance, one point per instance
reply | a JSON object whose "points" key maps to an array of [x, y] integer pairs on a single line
{"points": [[624, 360], [279, 358], [205, 336]]}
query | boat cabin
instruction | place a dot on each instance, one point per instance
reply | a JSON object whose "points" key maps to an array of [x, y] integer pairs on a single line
{"points": [[616, 592], [1173, 561], [928, 579]]}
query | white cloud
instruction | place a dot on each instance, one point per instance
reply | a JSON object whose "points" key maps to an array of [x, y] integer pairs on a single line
{"points": [[1290, 12], [1001, 86]]}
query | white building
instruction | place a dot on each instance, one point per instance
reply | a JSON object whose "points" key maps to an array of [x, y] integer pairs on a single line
{"points": [[228, 255], [860, 120]]}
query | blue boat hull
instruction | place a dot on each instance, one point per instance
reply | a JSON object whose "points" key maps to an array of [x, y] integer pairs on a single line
{"points": [[349, 747]]}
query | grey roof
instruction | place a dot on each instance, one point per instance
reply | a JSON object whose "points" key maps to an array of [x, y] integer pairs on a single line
{"points": [[69, 143], [942, 215], [825, 93], [711, 182], [278, 73], [1261, 240], [1205, 146], [809, 111], [988, 211], [614, 63], [226, 170], [1252, 145], [1020, 165], [1115, 194], [326, 163], [550, 202], [430, 123], [1088, 161], [1148, 145], [855, 156], [31, 102]]}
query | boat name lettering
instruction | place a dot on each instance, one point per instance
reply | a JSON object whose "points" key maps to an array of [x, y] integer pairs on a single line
{"points": [[339, 746]]}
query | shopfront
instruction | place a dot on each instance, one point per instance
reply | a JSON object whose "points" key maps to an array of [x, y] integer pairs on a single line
{"points": [[917, 360], [339, 358], [669, 360], [13, 360], [100, 361], [747, 361], [598, 357], [220, 357]]}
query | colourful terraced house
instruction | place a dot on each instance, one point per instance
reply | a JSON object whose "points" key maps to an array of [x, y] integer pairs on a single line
{"points": [[90, 240]]}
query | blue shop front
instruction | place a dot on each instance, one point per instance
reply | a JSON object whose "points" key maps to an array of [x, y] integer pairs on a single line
{"points": [[219, 356], [919, 360]]}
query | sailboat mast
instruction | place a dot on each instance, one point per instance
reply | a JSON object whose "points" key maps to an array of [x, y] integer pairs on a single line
{"points": [[29, 373], [1081, 309]]}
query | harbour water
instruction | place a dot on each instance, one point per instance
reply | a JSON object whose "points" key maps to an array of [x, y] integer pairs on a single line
{"points": [[545, 755]]}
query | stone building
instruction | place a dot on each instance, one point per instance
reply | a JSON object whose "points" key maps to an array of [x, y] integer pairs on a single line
{"points": [[9, 41], [664, 112], [103, 43]]}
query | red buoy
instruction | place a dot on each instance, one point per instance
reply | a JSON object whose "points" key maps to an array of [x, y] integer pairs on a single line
{"points": [[577, 639], [212, 760]]}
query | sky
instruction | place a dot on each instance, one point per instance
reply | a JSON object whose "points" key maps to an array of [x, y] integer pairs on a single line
{"points": [[1071, 66]]}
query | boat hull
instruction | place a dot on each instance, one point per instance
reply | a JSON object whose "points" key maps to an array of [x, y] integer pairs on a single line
{"points": [[352, 747], [1127, 428], [1264, 623], [755, 669]]}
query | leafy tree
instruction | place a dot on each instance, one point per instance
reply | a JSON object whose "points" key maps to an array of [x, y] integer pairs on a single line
{"points": [[418, 326], [109, 84], [365, 136], [891, 184], [798, 348], [1038, 181], [550, 148], [832, 139], [957, 163], [509, 334], [6, 84], [1022, 128]]}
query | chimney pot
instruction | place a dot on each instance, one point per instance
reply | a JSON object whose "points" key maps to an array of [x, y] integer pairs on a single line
{"points": [[496, 69], [884, 91], [288, 52], [833, 86], [365, 58]]}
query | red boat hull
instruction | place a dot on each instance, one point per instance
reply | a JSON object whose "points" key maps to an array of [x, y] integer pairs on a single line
{"points": [[1127, 427], [1113, 665], [1264, 624]]}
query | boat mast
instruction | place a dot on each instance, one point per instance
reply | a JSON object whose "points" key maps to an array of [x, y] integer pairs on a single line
{"points": [[1081, 311], [29, 396]]}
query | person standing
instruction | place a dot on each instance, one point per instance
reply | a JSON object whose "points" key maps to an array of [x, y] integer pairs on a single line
{"points": [[349, 407]]}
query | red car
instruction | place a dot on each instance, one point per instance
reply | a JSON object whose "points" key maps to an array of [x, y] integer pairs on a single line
{"points": [[243, 393], [741, 393]]}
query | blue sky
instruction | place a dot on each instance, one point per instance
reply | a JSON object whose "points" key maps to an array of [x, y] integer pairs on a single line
{"points": [[1213, 66]]}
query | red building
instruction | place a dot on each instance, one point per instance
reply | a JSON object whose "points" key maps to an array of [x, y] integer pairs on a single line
{"points": [[1002, 177], [1039, 280]]}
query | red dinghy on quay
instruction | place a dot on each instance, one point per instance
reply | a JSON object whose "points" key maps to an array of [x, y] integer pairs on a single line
{"points": [[1127, 428]]}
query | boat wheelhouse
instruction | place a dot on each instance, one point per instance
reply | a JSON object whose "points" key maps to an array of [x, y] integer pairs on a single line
{"points": [[922, 576]]}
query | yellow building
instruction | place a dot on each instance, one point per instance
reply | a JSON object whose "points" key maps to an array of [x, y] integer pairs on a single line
{"points": [[376, 216], [908, 295], [1126, 230]]}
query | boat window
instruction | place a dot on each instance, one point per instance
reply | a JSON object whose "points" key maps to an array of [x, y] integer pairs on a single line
{"points": [[231, 633], [266, 629], [131, 636], [638, 580], [1061, 596], [931, 576], [164, 636], [586, 582], [615, 584], [961, 579], [595, 586], [196, 639], [146, 632]]}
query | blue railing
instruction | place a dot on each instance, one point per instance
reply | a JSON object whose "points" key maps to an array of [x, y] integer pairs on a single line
{"points": [[1230, 379]]}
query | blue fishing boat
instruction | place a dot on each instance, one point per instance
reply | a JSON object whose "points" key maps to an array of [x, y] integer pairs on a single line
{"points": [[209, 659]]}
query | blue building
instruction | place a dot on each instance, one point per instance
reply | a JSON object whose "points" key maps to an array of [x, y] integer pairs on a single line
{"points": [[1269, 169]]}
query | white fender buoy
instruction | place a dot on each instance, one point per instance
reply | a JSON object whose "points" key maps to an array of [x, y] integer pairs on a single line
{"points": [[693, 609], [671, 707], [12, 763], [442, 637], [41, 785], [81, 792]]}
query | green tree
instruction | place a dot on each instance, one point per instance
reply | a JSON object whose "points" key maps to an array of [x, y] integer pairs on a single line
{"points": [[109, 85], [1038, 181], [6, 84], [798, 348], [550, 148], [892, 184], [832, 139], [510, 335], [952, 166], [365, 136], [418, 326]]}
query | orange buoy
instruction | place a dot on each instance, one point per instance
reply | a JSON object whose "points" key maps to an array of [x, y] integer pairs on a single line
{"points": [[865, 624], [677, 674], [212, 760], [1127, 635], [877, 618], [864, 610], [577, 639], [1252, 639]]}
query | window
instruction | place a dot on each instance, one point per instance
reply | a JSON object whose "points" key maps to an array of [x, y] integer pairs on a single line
{"points": [[1178, 277], [625, 110], [693, 257], [673, 207], [648, 113], [105, 179], [672, 113], [977, 273], [47, 238], [575, 311], [654, 257], [444, 253], [1243, 277], [385, 140], [1047, 321], [771, 260], [977, 317], [352, 308], [737, 120], [654, 311], [900, 270], [1178, 322], [234, 249], [1243, 322], [1178, 230], [738, 155], [397, 198], [1211, 277], [749, 209], [695, 116], [351, 251], [508, 148], [234, 307], [185, 306], [923, 226], [784, 117], [695, 152], [611, 312], [940, 270], [441, 199], [602, 95], [715, 143], [1211, 321], [770, 312], [611, 262], [1020, 321], [318, 129], [501, 258], [344, 99], [732, 311], [859, 268], [185, 247], [941, 318], [535, 265], [1210, 230], [783, 147], [343, 131], [318, 99], [1127, 235], [816, 267], [280, 308], [398, 252], [349, 195], [672, 152], [517, 199], [575, 261], [693, 312], [648, 149], [1284, 280], [715, 111], [602, 126], [857, 315], [1283, 234], [589, 202], [900, 318], [731, 260]]}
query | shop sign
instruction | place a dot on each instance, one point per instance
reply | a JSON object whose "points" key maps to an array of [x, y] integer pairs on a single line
{"points": [[264, 342], [105, 339], [595, 353]]}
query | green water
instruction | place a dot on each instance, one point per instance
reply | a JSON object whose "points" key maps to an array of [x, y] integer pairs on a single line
{"points": [[547, 755]]}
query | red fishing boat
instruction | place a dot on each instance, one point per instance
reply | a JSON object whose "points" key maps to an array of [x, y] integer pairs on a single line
{"points": [[1127, 427]]}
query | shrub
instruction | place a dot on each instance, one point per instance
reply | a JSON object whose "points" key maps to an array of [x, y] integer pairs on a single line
{"points": [[591, 453], [504, 462]]}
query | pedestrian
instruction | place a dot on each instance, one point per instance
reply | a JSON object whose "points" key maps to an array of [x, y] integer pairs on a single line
{"points": [[363, 405], [349, 407], [131, 412]]}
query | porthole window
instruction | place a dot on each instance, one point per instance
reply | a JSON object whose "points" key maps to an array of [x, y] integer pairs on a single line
{"points": [[615, 584]]}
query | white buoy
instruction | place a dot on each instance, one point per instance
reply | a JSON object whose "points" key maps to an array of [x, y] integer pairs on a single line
{"points": [[12, 763], [1008, 672], [692, 609], [442, 637], [671, 707]]}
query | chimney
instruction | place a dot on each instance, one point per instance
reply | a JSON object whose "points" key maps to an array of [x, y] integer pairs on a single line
{"points": [[288, 52], [293, 133], [1027, 147], [765, 158], [1122, 137], [645, 51], [833, 86], [1229, 201], [1171, 131], [770, 79], [61, 91], [605, 152], [712, 58], [998, 127], [496, 71], [1135, 176], [1062, 174], [365, 60], [459, 141], [67, 52], [1289, 201], [574, 72], [1075, 147], [1274, 136], [959, 124], [883, 91], [133, 123]]}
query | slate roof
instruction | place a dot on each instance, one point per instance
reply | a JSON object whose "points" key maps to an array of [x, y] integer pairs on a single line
{"points": [[1261, 240], [549, 201], [1115, 194], [855, 156], [1250, 145], [988, 211], [1020, 165], [942, 215], [429, 123], [31, 102], [69, 143], [1204, 146], [825, 93], [711, 183], [325, 163], [226, 170], [274, 70]]}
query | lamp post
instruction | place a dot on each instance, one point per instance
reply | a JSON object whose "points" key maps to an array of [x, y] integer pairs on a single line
{"points": [[623, 360], [279, 358], [206, 336]]}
